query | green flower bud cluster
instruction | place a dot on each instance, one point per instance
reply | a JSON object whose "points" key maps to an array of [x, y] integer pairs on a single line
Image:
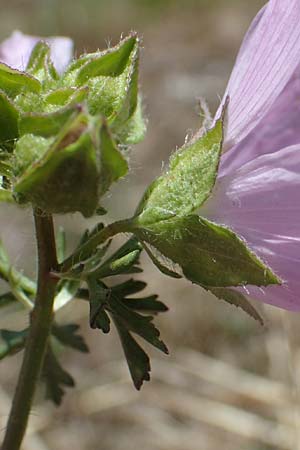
{"points": [[62, 138]]}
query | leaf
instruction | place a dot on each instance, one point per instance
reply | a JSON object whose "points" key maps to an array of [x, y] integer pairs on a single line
{"points": [[55, 378], [239, 300], [8, 123], [67, 335], [138, 324], [188, 182], [122, 261], [129, 287], [12, 342], [98, 299], [14, 82], [209, 254], [145, 304], [137, 360]]}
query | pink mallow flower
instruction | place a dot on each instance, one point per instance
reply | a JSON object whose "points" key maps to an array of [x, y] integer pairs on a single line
{"points": [[257, 193], [15, 51]]}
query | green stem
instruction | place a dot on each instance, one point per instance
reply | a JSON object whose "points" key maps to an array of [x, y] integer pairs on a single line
{"points": [[85, 250], [36, 343]]}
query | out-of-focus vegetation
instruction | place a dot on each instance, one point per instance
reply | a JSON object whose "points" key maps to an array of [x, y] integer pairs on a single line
{"points": [[227, 383]]}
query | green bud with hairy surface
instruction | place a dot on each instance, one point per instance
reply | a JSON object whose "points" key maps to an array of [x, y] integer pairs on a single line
{"points": [[62, 136]]}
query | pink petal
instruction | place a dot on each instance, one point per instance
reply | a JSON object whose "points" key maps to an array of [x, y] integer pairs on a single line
{"points": [[266, 62], [260, 202], [15, 50], [278, 129]]}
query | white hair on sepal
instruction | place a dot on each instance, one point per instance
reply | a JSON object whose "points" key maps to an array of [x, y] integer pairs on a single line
{"points": [[204, 113]]}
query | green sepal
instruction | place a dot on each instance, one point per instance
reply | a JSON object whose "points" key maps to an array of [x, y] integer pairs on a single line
{"points": [[14, 82], [187, 183], [109, 63], [161, 262], [40, 64], [12, 342], [112, 81], [65, 97], [65, 178], [113, 165], [234, 297], [8, 123], [208, 254], [46, 124], [133, 130]]}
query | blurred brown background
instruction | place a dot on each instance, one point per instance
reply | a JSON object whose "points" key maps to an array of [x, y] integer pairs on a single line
{"points": [[228, 383]]}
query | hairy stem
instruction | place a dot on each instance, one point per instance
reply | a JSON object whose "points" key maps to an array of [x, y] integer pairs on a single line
{"points": [[40, 326]]}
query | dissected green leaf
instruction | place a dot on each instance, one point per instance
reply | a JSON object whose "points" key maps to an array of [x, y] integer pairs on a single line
{"points": [[138, 361], [148, 304], [11, 342], [129, 287], [136, 323], [98, 300], [67, 335], [235, 298], [55, 377], [124, 311], [209, 254], [188, 182]]}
